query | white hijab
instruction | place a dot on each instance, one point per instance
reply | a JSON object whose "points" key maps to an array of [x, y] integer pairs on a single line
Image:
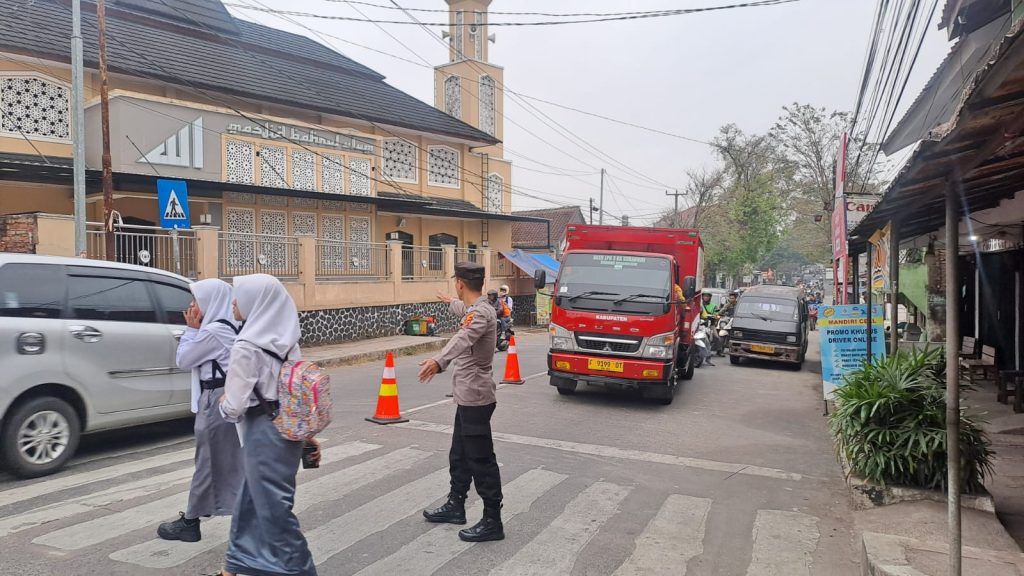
{"points": [[214, 299], [271, 318]]}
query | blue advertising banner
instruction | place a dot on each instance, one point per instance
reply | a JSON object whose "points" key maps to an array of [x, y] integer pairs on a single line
{"points": [[844, 342]]}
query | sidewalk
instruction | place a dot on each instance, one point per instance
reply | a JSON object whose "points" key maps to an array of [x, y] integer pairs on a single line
{"points": [[372, 350], [909, 539]]}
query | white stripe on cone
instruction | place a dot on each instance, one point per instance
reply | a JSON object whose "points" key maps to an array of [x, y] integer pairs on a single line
{"points": [[511, 349], [389, 372]]}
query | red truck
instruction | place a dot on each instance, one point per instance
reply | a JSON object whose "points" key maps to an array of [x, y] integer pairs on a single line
{"points": [[617, 319]]}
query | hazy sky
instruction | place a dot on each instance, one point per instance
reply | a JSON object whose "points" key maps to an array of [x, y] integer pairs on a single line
{"points": [[687, 75]]}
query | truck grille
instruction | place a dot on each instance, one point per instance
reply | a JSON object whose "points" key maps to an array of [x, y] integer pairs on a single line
{"points": [[764, 336], [608, 343]]}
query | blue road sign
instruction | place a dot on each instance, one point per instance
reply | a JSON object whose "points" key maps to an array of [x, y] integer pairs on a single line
{"points": [[172, 198]]}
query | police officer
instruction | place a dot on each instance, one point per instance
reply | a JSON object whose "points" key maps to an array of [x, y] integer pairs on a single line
{"points": [[471, 458]]}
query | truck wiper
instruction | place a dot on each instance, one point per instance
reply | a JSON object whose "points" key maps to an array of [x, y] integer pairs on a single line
{"points": [[591, 293], [632, 297]]}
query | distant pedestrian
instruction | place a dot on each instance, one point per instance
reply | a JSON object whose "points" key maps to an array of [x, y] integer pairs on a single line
{"points": [[265, 534], [471, 457], [205, 348]]}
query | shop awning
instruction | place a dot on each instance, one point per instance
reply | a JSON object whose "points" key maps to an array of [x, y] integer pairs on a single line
{"points": [[530, 263]]}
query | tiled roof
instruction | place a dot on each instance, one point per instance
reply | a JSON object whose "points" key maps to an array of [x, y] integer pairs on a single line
{"points": [[258, 63], [535, 234]]}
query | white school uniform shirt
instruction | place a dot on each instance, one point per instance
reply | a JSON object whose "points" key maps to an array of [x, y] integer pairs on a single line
{"points": [[271, 323], [213, 339]]}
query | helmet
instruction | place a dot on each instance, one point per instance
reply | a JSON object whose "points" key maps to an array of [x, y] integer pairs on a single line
{"points": [[504, 287], [735, 293], [706, 295], [492, 292]]}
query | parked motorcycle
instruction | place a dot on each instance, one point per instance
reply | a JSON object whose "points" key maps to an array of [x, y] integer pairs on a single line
{"points": [[723, 328], [505, 333], [702, 334]]}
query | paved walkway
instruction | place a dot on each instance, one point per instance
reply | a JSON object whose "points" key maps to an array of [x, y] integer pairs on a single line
{"points": [[372, 350]]}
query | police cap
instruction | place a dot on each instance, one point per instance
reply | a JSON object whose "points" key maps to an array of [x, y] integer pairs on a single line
{"points": [[469, 271]]}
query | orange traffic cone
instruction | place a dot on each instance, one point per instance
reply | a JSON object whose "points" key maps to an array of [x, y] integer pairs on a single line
{"points": [[512, 365], [387, 402]]}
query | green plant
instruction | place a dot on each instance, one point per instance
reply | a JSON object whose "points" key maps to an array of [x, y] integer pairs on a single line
{"points": [[890, 424]]}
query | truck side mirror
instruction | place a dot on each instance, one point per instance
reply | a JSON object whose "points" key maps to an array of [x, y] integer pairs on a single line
{"points": [[689, 287], [540, 279]]}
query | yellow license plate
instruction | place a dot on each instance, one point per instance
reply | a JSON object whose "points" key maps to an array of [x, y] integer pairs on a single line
{"points": [[605, 365], [762, 348]]}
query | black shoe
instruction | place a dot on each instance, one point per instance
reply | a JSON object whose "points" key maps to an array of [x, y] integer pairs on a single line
{"points": [[181, 529], [486, 530], [451, 512]]}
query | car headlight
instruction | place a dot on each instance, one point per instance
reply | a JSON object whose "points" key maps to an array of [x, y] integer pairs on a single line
{"points": [[660, 346], [737, 334], [561, 339], [791, 339]]}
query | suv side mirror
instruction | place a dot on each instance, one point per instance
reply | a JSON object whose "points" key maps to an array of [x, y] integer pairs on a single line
{"points": [[689, 287], [540, 279]]}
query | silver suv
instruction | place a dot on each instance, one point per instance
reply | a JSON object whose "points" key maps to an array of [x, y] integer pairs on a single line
{"points": [[85, 345]]}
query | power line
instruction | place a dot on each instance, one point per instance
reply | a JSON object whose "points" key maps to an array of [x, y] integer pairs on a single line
{"points": [[642, 16], [549, 14]]}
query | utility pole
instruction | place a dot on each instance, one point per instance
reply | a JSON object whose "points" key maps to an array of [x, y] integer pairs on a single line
{"points": [[600, 215], [108, 176], [78, 124], [591, 210], [675, 215]]}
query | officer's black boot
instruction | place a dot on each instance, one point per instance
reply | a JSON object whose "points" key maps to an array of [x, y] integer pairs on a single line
{"points": [[451, 512], [488, 528]]}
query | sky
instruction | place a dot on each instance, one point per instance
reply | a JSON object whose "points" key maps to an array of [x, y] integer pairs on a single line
{"points": [[687, 75]]}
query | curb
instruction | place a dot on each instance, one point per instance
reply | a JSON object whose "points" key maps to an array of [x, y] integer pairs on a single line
{"points": [[378, 355], [867, 494], [886, 555]]}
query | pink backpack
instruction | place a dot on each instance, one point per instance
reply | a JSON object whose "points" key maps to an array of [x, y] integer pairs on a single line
{"points": [[304, 394]]}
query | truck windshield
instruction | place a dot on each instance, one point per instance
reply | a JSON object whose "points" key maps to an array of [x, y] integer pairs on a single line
{"points": [[767, 309], [621, 282]]}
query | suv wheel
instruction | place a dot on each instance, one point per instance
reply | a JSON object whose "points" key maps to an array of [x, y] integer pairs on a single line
{"points": [[39, 437]]}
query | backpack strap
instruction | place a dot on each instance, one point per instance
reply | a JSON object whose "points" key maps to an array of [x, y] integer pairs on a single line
{"points": [[229, 324], [270, 411]]}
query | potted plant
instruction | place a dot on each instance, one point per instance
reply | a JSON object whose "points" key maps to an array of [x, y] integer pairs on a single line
{"points": [[890, 425]]}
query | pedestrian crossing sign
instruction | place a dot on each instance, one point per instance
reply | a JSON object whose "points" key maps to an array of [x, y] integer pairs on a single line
{"points": [[172, 199]]}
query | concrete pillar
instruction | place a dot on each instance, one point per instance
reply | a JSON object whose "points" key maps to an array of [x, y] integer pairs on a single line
{"points": [[894, 284], [207, 253], [307, 270], [449, 266], [488, 273], [54, 234], [395, 263], [953, 375]]}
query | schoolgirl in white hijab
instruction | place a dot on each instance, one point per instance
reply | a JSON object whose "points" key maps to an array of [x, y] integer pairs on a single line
{"points": [[265, 538], [205, 348]]}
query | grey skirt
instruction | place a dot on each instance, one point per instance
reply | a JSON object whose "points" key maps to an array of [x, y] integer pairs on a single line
{"points": [[265, 535], [218, 475]]}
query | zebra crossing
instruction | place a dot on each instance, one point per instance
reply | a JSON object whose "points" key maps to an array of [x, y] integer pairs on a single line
{"points": [[113, 522]]}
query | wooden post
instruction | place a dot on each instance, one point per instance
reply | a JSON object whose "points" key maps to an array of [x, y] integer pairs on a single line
{"points": [[108, 176], [953, 375]]}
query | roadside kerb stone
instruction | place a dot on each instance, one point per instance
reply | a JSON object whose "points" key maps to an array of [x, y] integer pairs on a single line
{"points": [[867, 494], [887, 555], [378, 355]]}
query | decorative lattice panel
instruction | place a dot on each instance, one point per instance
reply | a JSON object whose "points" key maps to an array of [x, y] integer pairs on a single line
{"points": [[240, 197], [400, 160], [273, 167], [495, 188], [35, 107], [453, 96], [274, 224], [332, 174], [332, 227], [487, 105], [359, 233], [304, 224], [240, 248], [358, 207], [240, 161], [442, 166], [309, 203], [358, 177], [268, 200], [303, 170]]}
